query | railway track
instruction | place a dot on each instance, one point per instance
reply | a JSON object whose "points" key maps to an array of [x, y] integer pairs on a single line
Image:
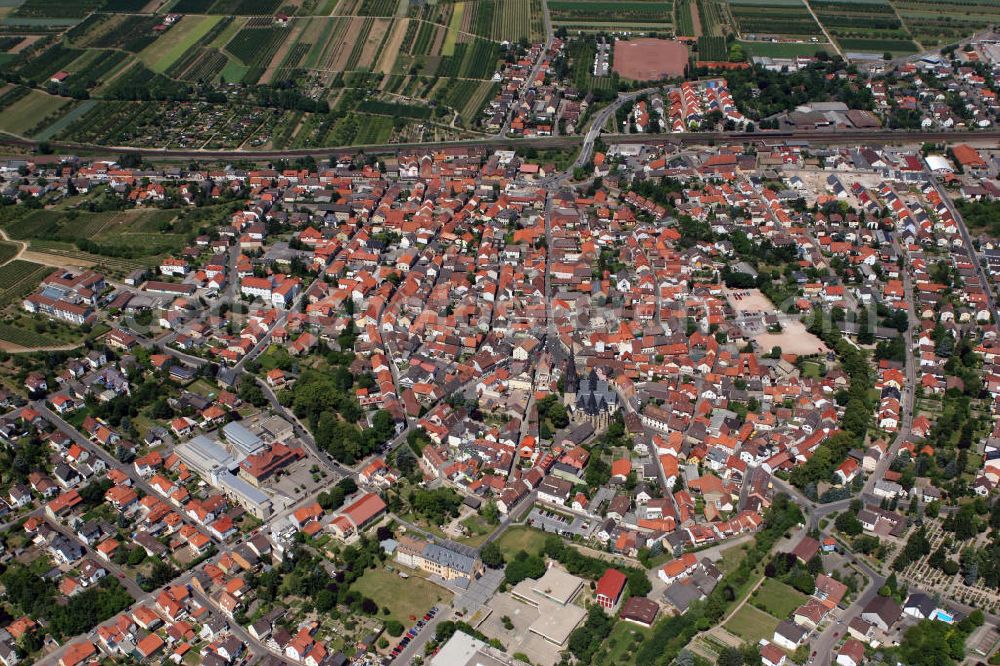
{"points": [[819, 137]]}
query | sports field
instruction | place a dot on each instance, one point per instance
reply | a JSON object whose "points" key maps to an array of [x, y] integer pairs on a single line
{"points": [[650, 59]]}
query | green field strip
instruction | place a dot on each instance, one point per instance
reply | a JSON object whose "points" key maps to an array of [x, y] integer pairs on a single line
{"points": [[160, 55], [454, 28], [67, 120]]}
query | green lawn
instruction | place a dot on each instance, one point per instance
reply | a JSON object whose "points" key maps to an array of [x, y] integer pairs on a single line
{"points": [[731, 558], [234, 71], [624, 640], [204, 388], [403, 598], [273, 357], [751, 624], [810, 370], [522, 538], [478, 528], [778, 599]]}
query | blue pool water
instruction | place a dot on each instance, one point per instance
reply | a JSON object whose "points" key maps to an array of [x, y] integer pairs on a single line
{"points": [[944, 617]]}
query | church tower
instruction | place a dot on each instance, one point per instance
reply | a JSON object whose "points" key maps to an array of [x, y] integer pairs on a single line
{"points": [[570, 382]]}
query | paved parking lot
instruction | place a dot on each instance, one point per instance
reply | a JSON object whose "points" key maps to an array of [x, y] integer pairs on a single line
{"points": [[549, 521], [467, 601]]}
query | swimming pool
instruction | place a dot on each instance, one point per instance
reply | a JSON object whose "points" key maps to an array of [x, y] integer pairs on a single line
{"points": [[944, 617]]}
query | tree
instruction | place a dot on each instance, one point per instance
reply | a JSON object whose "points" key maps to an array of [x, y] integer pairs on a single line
{"points": [[524, 566], [848, 523], [730, 656], [557, 414], [436, 505], [492, 555], [250, 392], [490, 512], [964, 524], [815, 565], [938, 558], [383, 426], [598, 471], [325, 601], [685, 658], [866, 331], [587, 639], [931, 643]]}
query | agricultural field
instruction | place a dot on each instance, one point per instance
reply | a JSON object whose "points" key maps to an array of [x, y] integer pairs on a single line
{"points": [[685, 20], [124, 5], [19, 278], [774, 17], [940, 22], [64, 121], [784, 49], [38, 68], [379, 64], [8, 251], [177, 41], [227, 7], [202, 65], [19, 335], [474, 59], [60, 9], [505, 20], [373, 130], [467, 97], [894, 46], [454, 29], [712, 48], [109, 31], [254, 48], [864, 25], [12, 95], [373, 8], [32, 112], [601, 15], [129, 235], [713, 17]]}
